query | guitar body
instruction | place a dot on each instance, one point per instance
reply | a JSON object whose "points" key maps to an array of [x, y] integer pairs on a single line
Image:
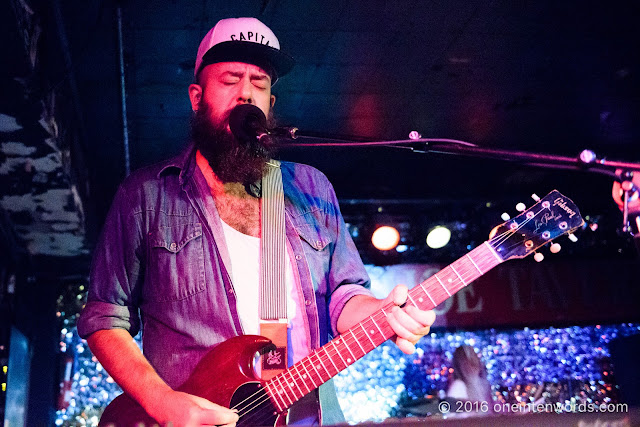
{"points": [[224, 376]]}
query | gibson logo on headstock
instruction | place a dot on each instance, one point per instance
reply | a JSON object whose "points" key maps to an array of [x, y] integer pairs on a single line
{"points": [[563, 205]]}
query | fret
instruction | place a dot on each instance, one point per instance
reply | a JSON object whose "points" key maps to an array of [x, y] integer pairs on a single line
{"points": [[493, 252], [293, 383], [338, 351], [468, 272], [474, 264], [482, 259], [269, 387], [322, 363], [357, 341], [409, 296], [329, 356], [314, 368], [374, 322], [344, 340], [459, 277], [365, 332], [442, 284], [308, 374], [428, 295], [283, 390], [295, 367]]}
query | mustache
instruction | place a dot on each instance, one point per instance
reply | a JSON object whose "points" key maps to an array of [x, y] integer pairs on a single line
{"points": [[231, 159]]}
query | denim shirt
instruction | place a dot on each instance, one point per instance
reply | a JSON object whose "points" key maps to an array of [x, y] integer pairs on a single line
{"points": [[158, 263]]}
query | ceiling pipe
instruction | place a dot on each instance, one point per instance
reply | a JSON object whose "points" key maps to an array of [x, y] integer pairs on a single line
{"points": [[123, 95]]}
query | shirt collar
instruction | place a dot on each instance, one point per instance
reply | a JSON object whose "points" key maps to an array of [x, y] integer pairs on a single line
{"points": [[184, 162]]}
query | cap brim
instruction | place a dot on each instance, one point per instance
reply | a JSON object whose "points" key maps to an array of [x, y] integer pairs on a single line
{"points": [[268, 58]]}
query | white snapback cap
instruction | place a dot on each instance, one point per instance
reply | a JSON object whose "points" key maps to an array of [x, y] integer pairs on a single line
{"points": [[243, 40]]}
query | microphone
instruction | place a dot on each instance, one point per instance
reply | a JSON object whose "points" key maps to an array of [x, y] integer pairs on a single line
{"points": [[248, 123]]}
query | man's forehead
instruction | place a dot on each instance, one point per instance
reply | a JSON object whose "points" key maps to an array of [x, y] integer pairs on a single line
{"points": [[236, 67]]}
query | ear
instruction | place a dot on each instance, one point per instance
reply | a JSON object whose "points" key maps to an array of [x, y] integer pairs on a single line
{"points": [[273, 100], [195, 94]]}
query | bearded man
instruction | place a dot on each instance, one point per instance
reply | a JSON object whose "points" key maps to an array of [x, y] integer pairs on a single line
{"points": [[180, 249]]}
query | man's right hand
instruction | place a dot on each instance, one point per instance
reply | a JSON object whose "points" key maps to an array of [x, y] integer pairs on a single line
{"points": [[121, 357], [186, 410]]}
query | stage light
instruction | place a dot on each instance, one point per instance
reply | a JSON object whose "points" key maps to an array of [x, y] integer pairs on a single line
{"points": [[438, 237], [385, 238]]}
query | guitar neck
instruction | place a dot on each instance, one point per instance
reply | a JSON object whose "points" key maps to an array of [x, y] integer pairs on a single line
{"points": [[326, 362]]}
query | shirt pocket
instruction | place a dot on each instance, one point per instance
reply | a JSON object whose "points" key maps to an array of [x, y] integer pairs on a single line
{"points": [[176, 267], [316, 236], [315, 241]]}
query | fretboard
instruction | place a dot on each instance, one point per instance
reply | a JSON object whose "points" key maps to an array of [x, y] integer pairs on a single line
{"points": [[326, 362]]}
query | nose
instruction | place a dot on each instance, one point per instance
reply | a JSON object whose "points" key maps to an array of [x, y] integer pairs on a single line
{"points": [[245, 95]]}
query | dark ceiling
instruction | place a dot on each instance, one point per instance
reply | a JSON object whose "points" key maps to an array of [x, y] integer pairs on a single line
{"points": [[546, 76], [543, 76]]}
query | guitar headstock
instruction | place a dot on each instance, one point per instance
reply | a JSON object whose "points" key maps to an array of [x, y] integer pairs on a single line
{"points": [[552, 216]]}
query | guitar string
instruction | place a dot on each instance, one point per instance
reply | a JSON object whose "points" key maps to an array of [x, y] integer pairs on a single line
{"points": [[322, 358], [357, 336], [498, 240], [264, 415], [507, 234], [262, 412], [252, 404], [262, 399]]}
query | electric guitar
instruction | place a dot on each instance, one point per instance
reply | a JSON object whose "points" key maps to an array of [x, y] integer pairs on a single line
{"points": [[226, 376]]}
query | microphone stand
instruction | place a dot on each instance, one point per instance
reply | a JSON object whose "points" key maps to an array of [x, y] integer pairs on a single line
{"points": [[587, 160]]}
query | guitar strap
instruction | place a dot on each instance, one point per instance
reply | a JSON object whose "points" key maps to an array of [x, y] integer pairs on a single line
{"points": [[272, 289]]}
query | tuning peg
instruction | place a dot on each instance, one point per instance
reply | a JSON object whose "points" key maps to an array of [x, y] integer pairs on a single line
{"points": [[521, 207], [538, 257], [535, 197], [505, 216], [572, 237], [555, 248]]}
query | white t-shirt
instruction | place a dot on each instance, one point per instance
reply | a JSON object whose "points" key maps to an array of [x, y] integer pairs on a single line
{"points": [[244, 252]]}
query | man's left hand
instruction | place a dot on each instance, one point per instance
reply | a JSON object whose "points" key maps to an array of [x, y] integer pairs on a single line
{"points": [[409, 323]]}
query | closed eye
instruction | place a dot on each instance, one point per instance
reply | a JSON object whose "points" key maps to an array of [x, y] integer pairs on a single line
{"points": [[230, 80], [261, 83]]}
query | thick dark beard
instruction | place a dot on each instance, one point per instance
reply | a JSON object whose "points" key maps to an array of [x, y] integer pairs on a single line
{"points": [[231, 160]]}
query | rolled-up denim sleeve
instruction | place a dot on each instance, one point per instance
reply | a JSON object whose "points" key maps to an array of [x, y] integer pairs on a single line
{"points": [[347, 275], [112, 301], [339, 299]]}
